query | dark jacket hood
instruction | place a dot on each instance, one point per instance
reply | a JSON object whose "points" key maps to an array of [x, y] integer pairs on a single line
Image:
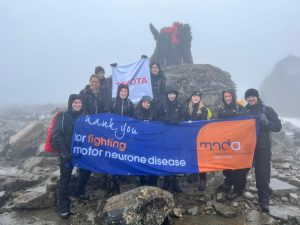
{"points": [[233, 94], [72, 98], [119, 90]]}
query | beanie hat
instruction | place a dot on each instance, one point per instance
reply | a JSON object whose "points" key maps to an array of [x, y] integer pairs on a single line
{"points": [[251, 92], [146, 98], [198, 93], [99, 69]]}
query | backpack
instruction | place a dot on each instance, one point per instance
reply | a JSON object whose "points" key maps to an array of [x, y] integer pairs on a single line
{"points": [[48, 146]]}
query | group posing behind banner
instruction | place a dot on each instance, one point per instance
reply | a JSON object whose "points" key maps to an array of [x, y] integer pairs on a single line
{"points": [[164, 106]]}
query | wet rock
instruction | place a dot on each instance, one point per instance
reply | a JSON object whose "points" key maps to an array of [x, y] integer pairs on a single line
{"points": [[225, 210], [249, 195], [98, 194], [25, 141], [177, 212], [43, 162], [235, 204], [35, 198], [294, 181], [293, 198], [255, 217], [52, 184], [3, 197], [281, 188], [282, 212], [142, 205], [220, 197], [284, 199], [193, 211], [12, 184]]}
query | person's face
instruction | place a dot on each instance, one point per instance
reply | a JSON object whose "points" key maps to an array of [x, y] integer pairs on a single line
{"points": [[227, 98], [77, 105], [195, 99], [154, 69], [252, 100], [146, 104], [171, 96], [94, 84], [100, 75], [123, 93]]}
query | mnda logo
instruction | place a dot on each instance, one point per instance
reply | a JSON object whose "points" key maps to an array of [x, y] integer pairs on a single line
{"points": [[227, 145]]}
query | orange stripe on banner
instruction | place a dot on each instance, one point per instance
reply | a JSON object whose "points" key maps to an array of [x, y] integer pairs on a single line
{"points": [[226, 145]]}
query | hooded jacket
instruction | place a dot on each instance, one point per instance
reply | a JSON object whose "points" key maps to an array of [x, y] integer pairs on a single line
{"points": [[169, 111], [264, 139], [229, 110], [158, 83], [199, 111], [123, 107], [63, 128], [141, 113], [95, 102]]}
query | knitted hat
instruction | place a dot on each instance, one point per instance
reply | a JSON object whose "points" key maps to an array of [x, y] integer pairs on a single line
{"points": [[99, 69], [251, 92]]}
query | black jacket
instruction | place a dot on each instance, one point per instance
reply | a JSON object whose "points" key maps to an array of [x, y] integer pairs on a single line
{"points": [[63, 130], [196, 115], [158, 83], [229, 110], [95, 103], [264, 139], [123, 107], [169, 111], [141, 113]]}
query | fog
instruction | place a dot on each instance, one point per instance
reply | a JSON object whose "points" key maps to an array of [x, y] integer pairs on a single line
{"points": [[49, 48]]}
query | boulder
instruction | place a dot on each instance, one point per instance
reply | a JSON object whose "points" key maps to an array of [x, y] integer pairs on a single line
{"points": [[256, 217], [142, 205], [209, 79], [35, 198], [44, 162], [26, 141], [283, 212], [281, 188], [12, 184], [193, 211]]}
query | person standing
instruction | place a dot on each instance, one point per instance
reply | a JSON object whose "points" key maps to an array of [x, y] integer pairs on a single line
{"points": [[268, 121], [61, 139], [158, 82], [196, 110], [143, 111], [170, 110], [96, 100], [121, 104], [235, 178]]}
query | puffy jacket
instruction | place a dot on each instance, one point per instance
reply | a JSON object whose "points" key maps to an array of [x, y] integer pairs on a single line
{"points": [[158, 83], [264, 139], [95, 102]]}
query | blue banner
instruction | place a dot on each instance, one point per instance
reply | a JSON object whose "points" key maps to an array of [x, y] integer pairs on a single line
{"points": [[109, 143]]}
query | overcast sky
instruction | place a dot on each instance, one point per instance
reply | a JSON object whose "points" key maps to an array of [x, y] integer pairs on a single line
{"points": [[49, 48]]}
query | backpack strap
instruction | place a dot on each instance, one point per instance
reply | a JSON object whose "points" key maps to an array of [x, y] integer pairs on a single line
{"points": [[62, 122]]}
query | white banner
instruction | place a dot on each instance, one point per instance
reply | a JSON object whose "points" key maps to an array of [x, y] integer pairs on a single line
{"points": [[136, 75]]}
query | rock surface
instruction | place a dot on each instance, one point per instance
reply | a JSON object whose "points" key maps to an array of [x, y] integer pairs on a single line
{"points": [[143, 205]]}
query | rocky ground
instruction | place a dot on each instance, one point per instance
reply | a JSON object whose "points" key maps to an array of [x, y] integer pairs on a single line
{"points": [[28, 183]]}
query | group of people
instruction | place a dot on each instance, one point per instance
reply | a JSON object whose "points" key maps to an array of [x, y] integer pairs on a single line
{"points": [[165, 106]]}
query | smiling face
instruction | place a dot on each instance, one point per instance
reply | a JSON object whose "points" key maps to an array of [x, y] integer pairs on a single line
{"points": [[94, 83], [171, 96], [252, 100], [77, 105], [123, 93], [146, 104], [154, 69], [195, 99], [227, 98]]}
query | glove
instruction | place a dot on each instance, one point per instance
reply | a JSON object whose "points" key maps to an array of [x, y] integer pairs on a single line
{"points": [[263, 119], [113, 64], [144, 57]]}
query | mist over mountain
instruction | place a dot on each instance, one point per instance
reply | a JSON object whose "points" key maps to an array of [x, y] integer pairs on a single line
{"points": [[281, 88]]}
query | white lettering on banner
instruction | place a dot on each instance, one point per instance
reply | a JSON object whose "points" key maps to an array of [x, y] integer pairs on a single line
{"points": [[119, 132], [134, 81], [154, 160]]}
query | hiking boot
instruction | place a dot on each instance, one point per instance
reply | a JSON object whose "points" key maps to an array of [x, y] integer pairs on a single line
{"points": [[202, 185], [177, 188], [64, 215], [264, 207], [234, 195], [225, 188]]}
